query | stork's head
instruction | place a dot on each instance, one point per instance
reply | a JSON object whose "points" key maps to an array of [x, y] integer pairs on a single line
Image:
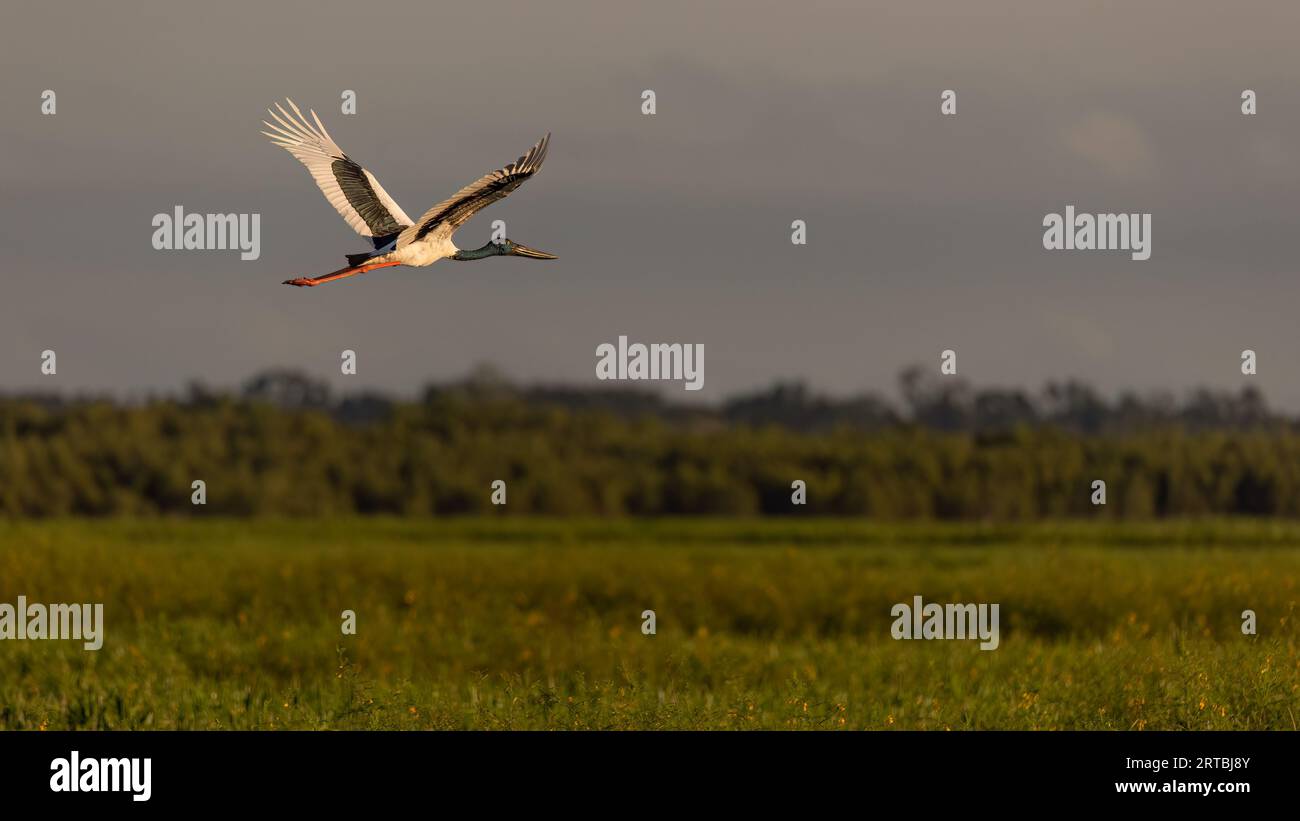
{"points": [[510, 248], [504, 248]]}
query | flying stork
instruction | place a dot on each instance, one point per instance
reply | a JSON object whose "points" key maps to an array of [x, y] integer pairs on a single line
{"points": [[365, 205]]}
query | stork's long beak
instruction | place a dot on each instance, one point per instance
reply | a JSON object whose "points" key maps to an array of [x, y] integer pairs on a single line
{"points": [[531, 253]]}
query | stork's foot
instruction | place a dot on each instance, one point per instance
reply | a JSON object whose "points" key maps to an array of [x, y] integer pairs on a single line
{"points": [[339, 274]]}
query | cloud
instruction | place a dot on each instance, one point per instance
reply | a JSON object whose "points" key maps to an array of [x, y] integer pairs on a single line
{"points": [[1112, 145], [1272, 157], [1080, 334]]}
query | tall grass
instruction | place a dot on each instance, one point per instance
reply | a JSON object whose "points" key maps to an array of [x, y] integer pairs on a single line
{"points": [[536, 624]]}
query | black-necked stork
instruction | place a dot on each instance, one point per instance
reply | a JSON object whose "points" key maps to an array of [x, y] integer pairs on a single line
{"points": [[365, 205]]}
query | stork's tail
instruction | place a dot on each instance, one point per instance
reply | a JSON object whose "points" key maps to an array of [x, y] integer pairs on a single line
{"points": [[358, 259]]}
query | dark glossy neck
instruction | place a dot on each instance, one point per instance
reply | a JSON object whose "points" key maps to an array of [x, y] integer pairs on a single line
{"points": [[489, 250]]}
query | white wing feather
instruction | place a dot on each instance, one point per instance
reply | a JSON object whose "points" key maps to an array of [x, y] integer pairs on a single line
{"points": [[365, 205]]}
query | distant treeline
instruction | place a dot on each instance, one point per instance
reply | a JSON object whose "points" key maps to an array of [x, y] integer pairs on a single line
{"points": [[285, 446]]}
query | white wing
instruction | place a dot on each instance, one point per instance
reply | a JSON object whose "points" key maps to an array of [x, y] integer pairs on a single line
{"points": [[352, 190], [450, 214]]}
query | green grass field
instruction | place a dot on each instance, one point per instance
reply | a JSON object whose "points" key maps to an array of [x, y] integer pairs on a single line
{"points": [[761, 624]]}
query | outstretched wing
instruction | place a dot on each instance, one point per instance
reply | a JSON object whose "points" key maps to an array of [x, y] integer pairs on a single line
{"points": [[352, 190], [455, 211]]}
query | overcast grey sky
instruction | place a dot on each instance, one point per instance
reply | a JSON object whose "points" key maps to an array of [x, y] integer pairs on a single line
{"points": [[924, 231]]}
